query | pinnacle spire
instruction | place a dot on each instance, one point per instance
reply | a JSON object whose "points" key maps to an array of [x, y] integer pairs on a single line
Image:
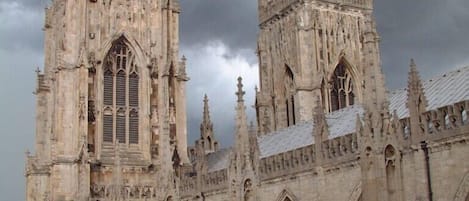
{"points": [[240, 92], [242, 130], [416, 102], [415, 87], [209, 144], [206, 115]]}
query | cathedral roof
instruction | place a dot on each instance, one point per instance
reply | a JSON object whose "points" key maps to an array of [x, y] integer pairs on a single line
{"points": [[446, 89], [218, 160], [340, 122]]}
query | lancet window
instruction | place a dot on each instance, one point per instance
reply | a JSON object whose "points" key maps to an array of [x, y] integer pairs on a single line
{"points": [[120, 95], [289, 97], [340, 92]]}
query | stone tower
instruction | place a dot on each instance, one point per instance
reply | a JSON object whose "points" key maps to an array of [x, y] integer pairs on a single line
{"points": [[111, 116], [314, 49]]}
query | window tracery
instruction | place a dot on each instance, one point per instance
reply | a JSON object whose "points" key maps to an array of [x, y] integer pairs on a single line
{"points": [[120, 95], [339, 93]]}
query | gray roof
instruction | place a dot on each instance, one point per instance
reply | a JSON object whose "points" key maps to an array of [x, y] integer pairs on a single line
{"points": [[340, 122], [218, 160], [446, 89]]}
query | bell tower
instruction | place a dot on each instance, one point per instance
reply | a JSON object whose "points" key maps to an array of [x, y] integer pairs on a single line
{"points": [[315, 49], [112, 89]]}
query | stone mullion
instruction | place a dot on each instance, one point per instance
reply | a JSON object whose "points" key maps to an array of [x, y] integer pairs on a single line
{"points": [[127, 106], [114, 104]]}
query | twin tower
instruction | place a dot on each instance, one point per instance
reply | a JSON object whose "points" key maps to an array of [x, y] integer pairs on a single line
{"points": [[111, 105]]}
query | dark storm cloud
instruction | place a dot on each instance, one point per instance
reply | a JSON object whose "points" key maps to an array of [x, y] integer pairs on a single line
{"points": [[234, 22], [29, 4], [21, 25], [434, 32]]}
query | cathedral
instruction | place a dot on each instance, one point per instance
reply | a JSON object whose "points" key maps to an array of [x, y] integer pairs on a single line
{"points": [[111, 112]]}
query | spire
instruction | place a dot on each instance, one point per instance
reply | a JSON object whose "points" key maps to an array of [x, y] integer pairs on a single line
{"points": [[207, 139], [240, 92], [242, 132], [206, 117], [415, 89], [416, 102]]}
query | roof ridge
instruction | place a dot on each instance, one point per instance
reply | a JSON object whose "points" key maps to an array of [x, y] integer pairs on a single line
{"points": [[432, 79]]}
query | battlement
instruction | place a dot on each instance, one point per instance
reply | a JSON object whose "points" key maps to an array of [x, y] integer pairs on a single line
{"points": [[444, 122], [269, 9], [212, 181], [298, 160], [334, 151]]}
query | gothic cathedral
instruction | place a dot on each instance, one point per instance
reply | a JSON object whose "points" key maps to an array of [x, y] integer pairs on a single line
{"points": [[111, 112]]}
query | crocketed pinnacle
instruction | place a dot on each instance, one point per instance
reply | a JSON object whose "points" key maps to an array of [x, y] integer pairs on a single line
{"points": [[240, 92], [206, 115], [415, 87]]}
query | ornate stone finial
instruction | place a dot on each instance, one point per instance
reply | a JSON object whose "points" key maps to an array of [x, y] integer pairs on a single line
{"points": [[240, 92], [206, 115], [38, 71]]}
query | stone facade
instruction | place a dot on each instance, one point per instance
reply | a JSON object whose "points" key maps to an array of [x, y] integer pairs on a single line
{"points": [[111, 122], [111, 116]]}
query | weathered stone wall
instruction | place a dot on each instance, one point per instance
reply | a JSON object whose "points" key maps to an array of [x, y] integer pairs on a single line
{"points": [[311, 39], [335, 185]]}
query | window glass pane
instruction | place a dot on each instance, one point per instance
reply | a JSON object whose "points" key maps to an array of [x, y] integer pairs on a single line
{"points": [[107, 128], [120, 128], [108, 88], [133, 128], [120, 89], [133, 90]]}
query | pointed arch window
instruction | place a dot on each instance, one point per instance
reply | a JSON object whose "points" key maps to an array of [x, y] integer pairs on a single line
{"points": [[120, 95], [341, 89], [289, 96]]}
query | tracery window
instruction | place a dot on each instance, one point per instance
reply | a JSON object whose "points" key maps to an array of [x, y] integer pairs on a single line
{"points": [[341, 90], [120, 95]]}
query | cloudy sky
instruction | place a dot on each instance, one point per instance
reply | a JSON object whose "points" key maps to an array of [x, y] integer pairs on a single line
{"points": [[218, 38]]}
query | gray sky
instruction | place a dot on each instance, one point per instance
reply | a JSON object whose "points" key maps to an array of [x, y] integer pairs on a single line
{"points": [[219, 38]]}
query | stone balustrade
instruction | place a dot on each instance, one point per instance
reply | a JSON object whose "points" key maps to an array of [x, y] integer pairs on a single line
{"points": [[298, 160], [340, 149], [215, 180], [444, 122], [211, 181]]}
